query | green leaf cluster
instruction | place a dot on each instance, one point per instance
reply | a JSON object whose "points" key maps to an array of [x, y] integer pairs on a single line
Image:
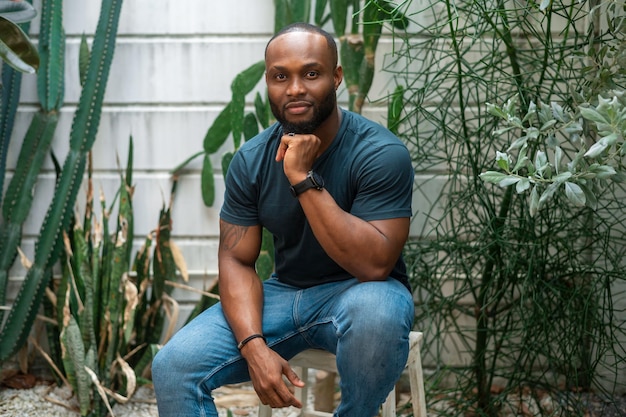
{"points": [[579, 171]]}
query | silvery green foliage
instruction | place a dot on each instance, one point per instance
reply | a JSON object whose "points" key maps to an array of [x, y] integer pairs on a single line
{"points": [[577, 153]]}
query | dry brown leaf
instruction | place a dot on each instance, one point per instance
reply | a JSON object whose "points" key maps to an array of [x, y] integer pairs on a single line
{"points": [[100, 388], [26, 263], [179, 260], [131, 296]]}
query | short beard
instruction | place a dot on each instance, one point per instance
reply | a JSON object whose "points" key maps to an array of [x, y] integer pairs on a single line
{"points": [[320, 114]]}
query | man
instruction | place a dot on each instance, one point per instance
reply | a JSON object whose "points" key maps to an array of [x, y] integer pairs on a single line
{"points": [[334, 189]]}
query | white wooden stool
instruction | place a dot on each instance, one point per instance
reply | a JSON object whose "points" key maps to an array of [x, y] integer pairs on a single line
{"points": [[322, 360]]}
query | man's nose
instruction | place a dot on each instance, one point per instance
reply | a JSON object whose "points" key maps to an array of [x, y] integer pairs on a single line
{"points": [[296, 87]]}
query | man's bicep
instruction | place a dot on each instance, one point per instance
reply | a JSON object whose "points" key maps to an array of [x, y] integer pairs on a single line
{"points": [[241, 243]]}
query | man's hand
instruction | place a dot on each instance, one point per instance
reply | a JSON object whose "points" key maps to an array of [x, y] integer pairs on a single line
{"points": [[266, 369], [298, 152]]}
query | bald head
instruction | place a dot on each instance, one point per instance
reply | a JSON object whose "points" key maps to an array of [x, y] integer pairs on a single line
{"points": [[308, 28]]}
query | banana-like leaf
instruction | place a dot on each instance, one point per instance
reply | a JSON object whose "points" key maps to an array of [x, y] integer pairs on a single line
{"points": [[243, 83], [16, 49], [262, 111], [250, 126], [17, 11], [320, 10], [207, 182], [339, 15], [218, 132], [300, 10], [226, 159], [281, 14]]}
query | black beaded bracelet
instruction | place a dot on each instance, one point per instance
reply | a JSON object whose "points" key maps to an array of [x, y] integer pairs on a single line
{"points": [[249, 338]]}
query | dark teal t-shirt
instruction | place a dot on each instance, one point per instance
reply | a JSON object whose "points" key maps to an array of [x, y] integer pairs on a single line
{"points": [[366, 169]]}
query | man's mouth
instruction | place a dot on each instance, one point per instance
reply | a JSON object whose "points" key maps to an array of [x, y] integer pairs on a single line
{"points": [[297, 107]]}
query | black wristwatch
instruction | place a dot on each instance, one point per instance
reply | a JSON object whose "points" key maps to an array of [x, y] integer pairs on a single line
{"points": [[313, 180]]}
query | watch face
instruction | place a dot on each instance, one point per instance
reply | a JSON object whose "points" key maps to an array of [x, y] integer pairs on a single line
{"points": [[318, 180]]}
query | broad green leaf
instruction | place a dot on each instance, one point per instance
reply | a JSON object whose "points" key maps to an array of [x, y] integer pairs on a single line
{"points": [[218, 132], [603, 171], [338, 13], [591, 200], [300, 10], [503, 160], [207, 182], [534, 202], [548, 193], [547, 125], [562, 177], [541, 161], [320, 8], [596, 149], [262, 111], [250, 126], [226, 159], [522, 185], [492, 176], [509, 180], [575, 194], [496, 111], [246, 80], [16, 49], [593, 115]]}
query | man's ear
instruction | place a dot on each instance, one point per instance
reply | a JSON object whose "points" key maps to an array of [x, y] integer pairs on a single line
{"points": [[338, 76]]}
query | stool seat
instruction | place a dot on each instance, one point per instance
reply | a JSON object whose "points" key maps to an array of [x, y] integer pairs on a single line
{"points": [[325, 361]]}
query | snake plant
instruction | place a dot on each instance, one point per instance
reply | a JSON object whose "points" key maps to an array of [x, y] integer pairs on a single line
{"points": [[82, 136]]}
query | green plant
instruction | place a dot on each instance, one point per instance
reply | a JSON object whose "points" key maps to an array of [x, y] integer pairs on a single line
{"points": [[36, 144], [19, 55], [83, 133], [521, 288], [110, 320], [544, 166]]}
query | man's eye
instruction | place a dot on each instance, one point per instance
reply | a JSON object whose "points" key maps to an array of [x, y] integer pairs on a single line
{"points": [[280, 76], [311, 74]]}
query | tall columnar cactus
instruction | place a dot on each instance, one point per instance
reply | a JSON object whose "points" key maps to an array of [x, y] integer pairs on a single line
{"points": [[36, 144], [82, 137]]}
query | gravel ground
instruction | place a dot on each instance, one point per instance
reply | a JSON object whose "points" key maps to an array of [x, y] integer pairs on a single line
{"points": [[46, 400]]}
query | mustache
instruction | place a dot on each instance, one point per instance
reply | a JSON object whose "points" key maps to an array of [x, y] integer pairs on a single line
{"points": [[297, 103]]}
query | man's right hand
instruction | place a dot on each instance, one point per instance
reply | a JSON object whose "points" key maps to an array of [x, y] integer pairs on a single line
{"points": [[266, 369]]}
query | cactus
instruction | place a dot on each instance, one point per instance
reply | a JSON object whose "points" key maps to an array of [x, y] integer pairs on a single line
{"points": [[83, 134], [36, 144]]}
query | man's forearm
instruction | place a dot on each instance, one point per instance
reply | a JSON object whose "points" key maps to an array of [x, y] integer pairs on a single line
{"points": [[368, 250]]}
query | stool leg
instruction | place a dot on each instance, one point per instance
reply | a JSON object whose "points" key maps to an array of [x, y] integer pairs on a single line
{"points": [[265, 410], [418, 395], [389, 406]]}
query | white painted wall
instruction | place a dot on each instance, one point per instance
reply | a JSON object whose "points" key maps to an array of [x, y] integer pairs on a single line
{"points": [[170, 77]]}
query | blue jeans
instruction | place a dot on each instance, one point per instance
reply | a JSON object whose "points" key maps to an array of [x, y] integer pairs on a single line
{"points": [[365, 324]]}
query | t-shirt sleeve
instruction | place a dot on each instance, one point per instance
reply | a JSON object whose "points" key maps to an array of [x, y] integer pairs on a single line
{"points": [[239, 205], [385, 185]]}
